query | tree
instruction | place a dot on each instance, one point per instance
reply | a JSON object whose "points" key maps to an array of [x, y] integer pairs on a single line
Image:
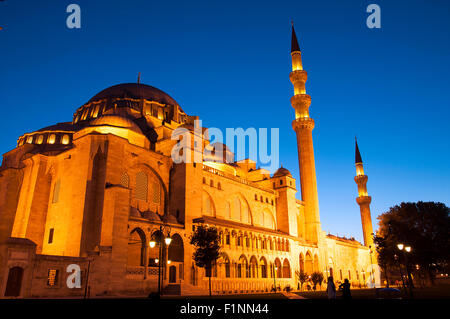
{"points": [[385, 253], [302, 277], [424, 226], [317, 278], [206, 242]]}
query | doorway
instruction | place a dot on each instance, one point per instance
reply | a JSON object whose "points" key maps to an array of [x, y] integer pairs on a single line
{"points": [[172, 274], [14, 282]]}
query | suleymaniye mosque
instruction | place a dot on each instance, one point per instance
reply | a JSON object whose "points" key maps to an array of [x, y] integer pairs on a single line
{"points": [[101, 190]]}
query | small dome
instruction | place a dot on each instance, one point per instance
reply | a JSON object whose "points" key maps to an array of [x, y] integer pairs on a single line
{"points": [[152, 216], [170, 219], [282, 172]]}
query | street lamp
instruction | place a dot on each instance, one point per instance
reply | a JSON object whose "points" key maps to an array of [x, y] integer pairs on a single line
{"points": [[408, 250], [167, 240]]}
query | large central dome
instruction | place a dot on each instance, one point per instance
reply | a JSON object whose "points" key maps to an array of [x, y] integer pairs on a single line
{"points": [[135, 90]]}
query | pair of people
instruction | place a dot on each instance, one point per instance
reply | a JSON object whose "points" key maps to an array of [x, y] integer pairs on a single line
{"points": [[344, 287]]}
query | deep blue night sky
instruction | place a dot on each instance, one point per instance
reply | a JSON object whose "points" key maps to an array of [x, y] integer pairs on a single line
{"points": [[229, 63]]}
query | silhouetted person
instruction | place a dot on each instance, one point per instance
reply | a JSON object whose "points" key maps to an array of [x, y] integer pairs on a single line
{"points": [[331, 288], [345, 288]]}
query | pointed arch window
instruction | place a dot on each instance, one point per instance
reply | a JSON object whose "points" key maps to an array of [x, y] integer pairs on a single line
{"points": [[236, 208], [156, 193], [141, 189], [227, 210]]}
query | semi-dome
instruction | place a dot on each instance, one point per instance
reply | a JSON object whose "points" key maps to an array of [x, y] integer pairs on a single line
{"points": [[282, 172], [136, 91]]}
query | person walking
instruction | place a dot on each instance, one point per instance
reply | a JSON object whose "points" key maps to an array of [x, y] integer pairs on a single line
{"points": [[331, 288], [345, 288]]}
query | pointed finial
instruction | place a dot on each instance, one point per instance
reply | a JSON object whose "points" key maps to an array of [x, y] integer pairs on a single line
{"points": [[139, 78], [294, 42], [358, 158]]}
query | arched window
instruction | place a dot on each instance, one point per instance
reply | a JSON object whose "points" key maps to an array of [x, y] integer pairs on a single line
{"points": [[51, 139], [227, 267], [242, 268], [40, 139], [176, 249], [308, 263], [95, 111], [227, 210], [136, 248], [156, 193], [316, 263], [278, 269], [268, 220], [245, 215], [253, 267], [302, 263], [236, 208], [141, 189], [286, 269], [219, 187], [65, 139], [263, 264], [208, 205]]}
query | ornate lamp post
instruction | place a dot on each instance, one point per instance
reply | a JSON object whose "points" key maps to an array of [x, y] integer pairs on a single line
{"points": [[407, 250], [162, 240]]}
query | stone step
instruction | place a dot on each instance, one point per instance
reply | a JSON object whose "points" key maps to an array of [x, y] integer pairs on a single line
{"points": [[172, 289]]}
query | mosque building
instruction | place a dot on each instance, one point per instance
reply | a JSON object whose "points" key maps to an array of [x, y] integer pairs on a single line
{"points": [[100, 191]]}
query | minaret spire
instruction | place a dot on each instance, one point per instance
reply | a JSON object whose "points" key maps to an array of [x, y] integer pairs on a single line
{"points": [[358, 158], [303, 126], [294, 42], [363, 199]]}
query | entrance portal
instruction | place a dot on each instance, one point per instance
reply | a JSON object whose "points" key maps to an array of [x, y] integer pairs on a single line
{"points": [[14, 282]]}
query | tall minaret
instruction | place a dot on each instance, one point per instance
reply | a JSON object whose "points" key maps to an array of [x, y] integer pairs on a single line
{"points": [[303, 126], [363, 199]]}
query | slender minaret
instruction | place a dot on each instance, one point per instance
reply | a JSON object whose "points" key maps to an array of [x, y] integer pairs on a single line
{"points": [[303, 126], [363, 199]]}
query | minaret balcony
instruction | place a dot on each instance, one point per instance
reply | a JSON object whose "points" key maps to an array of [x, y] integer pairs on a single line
{"points": [[301, 101], [302, 123], [361, 179], [298, 76], [363, 200]]}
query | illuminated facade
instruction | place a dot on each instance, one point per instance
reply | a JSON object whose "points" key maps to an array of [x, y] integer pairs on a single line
{"points": [[93, 192]]}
